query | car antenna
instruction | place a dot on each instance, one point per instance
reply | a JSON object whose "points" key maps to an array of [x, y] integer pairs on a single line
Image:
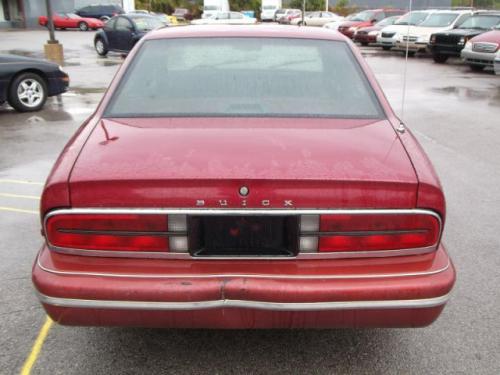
{"points": [[401, 128]]}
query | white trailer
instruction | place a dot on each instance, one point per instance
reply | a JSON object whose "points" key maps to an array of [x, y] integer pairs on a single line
{"points": [[212, 7], [269, 8]]}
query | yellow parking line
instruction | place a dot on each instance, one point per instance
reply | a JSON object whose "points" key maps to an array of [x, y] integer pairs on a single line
{"points": [[8, 195], [37, 347], [12, 209], [8, 181]]}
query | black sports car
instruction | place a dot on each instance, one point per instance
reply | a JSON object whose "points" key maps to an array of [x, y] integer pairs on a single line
{"points": [[121, 33], [26, 82], [450, 43]]}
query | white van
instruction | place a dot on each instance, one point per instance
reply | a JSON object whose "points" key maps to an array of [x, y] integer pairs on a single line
{"points": [[268, 9], [212, 7]]}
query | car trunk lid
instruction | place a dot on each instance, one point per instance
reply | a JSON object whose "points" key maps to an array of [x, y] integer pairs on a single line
{"points": [[203, 162]]}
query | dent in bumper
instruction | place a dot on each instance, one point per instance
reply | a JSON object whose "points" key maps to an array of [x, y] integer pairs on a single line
{"points": [[246, 301]]}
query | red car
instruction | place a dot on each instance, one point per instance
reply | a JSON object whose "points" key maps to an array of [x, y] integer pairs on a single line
{"points": [[367, 35], [71, 21], [483, 50], [367, 18], [278, 194]]}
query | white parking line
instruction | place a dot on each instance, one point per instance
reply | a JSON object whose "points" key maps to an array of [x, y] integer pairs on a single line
{"points": [[12, 209], [8, 195], [26, 182]]}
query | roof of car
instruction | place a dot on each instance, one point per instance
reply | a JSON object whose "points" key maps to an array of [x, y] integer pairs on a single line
{"points": [[138, 15], [457, 11], [262, 31]]}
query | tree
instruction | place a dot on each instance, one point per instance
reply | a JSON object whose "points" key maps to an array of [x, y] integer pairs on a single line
{"points": [[310, 4]]}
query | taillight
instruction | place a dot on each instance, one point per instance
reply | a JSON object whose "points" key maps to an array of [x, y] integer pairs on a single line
{"points": [[118, 232], [368, 232]]}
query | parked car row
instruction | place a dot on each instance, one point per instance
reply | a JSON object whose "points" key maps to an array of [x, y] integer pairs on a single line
{"points": [[225, 18], [473, 35], [94, 16]]}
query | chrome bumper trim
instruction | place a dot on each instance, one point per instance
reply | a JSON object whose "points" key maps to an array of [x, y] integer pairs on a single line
{"points": [[243, 304], [247, 276]]}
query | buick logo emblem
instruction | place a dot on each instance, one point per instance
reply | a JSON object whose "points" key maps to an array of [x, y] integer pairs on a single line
{"points": [[244, 191]]}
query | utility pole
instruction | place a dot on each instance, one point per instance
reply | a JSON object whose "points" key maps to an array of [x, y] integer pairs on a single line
{"points": [[303, 11], [53, 50], [326, 5]]}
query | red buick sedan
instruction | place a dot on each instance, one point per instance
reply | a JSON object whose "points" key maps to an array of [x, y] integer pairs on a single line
{"points": [[72, 21], [243, 177]]}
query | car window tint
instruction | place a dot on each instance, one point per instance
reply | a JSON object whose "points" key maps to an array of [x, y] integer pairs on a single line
{"points": [[244, 77], [439, 20], [147, 23], [481, 22], [111, 23], [462, 19], [122, 24]]}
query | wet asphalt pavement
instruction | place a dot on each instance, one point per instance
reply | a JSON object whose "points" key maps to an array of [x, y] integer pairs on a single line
{"points": [[455, 114]]}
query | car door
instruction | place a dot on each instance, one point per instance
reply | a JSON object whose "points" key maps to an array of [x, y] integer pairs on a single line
{"points": [[123, 34], [58, 20], [235, 18], [4, 79], [68, 22], [325, 18], [313, 19], [222, 17], [109, 30]]}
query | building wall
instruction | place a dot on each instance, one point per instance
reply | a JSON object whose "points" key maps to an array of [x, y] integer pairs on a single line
{"points": [[400, 4]]}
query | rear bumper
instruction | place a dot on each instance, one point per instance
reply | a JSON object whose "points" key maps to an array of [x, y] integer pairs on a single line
{"points": [[184, 294]]}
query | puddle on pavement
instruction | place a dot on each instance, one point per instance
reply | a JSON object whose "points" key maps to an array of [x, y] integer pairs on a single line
{"points": [[87, 90], [67, 63], [491, 94], [21, 52], [105, 62]]}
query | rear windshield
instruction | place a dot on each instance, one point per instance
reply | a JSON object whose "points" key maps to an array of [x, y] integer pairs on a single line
{"points": [[261, 77]]}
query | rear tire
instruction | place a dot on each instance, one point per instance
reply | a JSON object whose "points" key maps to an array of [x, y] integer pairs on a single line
{"points": [[27, 92], [476, 68], [83, 26], [100, 47], [410, 53], [364, 44], [386, 48], [440, 59]]}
